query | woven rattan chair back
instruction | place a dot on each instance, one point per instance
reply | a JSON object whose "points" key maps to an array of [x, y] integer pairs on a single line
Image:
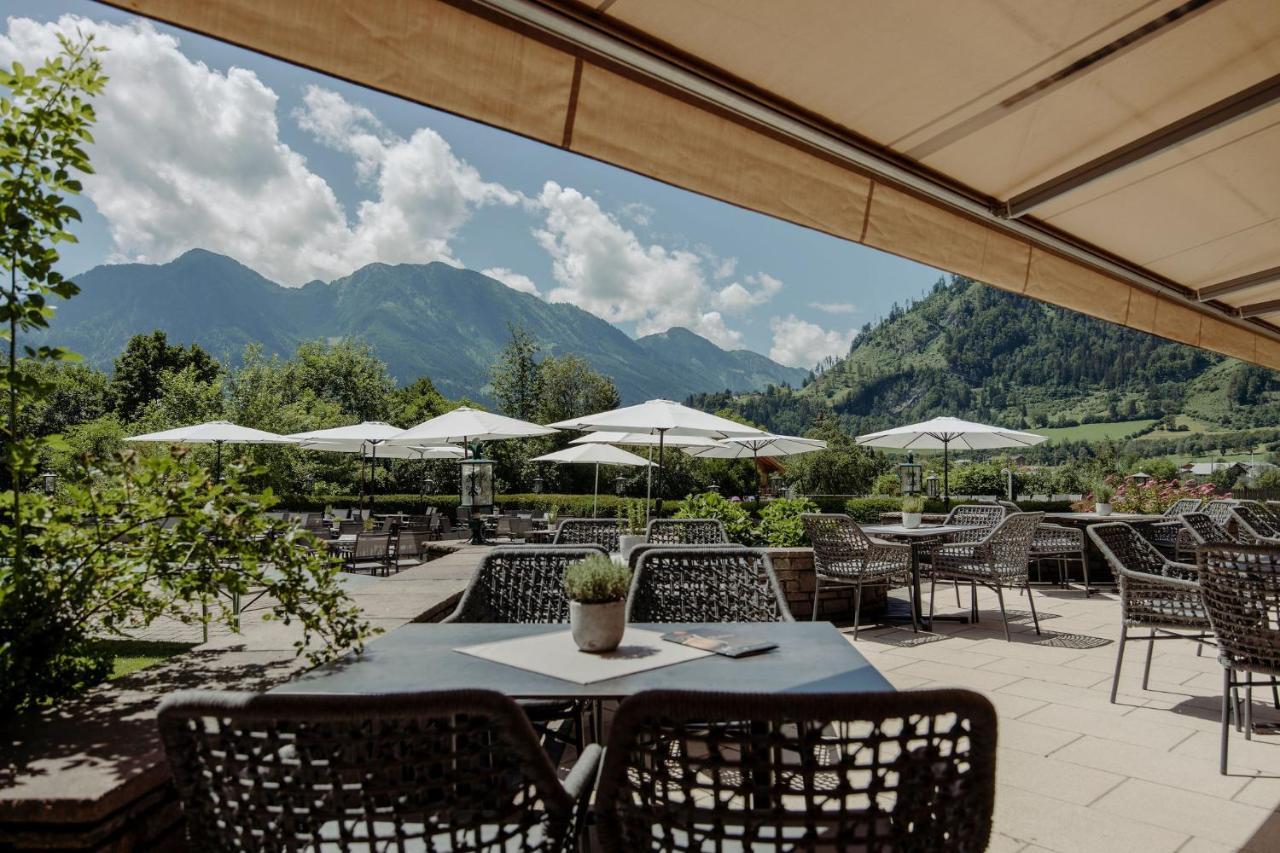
{"points": [[1154, 591], [638, 551], [688, 771], [520, 585], [589, 531], [839, 545], [686, 531], [1009, 506], [1203, 529], [977, 515], [1126, 550], [459, 770], [1262, 510], [726, 584], [1219, 511], [1253, 526], [1182, 506], [1009, 546], [1241, 589]]}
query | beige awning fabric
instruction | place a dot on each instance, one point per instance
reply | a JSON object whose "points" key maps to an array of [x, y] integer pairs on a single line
{"points": [[1115, 157]]}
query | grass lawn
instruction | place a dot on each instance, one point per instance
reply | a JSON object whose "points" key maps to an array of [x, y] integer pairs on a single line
{"points": [[133, 655], [1194, 426], [1094, 432]]}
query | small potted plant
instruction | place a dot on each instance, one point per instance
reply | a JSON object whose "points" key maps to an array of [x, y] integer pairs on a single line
{"points": [[1102, 494], [597, 591], [631, 522], [912, 511]]}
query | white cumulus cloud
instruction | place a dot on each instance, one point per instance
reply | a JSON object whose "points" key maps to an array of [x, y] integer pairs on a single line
{"points": [[513, 280], [736, 298], [799, 343], [834, 307], [186, 155]]}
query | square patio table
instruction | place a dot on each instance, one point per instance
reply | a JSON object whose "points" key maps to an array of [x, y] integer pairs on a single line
{"points": [[811, 657], [918, 538]]}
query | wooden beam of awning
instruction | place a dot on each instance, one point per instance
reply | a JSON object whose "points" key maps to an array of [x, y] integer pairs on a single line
{"points": [[1235, 285], [1257, 309], [556, 72], [1212, 117]]}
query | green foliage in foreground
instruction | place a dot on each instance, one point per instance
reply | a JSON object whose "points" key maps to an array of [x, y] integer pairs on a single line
{"points": [[736, 521], [596, 580], [780, 522], [140, 539]]}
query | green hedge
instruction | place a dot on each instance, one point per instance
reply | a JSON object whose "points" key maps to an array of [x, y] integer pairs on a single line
{"points": [[567, 506]]}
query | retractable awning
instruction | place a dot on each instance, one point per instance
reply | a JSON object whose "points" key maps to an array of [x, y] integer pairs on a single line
{"points": [[1117, 157]]}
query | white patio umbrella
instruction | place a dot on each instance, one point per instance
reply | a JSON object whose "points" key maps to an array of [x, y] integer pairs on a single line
{"points": [[216, 433], [464, 425], [362, 438], [660, 417], [755, 447], [597, 454], [941, 433], [645, 439], [386, 451]]}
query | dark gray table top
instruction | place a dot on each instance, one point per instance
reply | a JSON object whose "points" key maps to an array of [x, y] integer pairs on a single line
{"points": [[811, 657]]}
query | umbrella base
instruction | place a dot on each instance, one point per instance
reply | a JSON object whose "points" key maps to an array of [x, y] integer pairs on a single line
{"points": [[477, 532]]}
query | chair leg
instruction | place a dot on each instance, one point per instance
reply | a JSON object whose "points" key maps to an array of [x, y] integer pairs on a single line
{"points": [[1146, 670], [973, 600], [817, 583], [1000, 598], [1226, 720], [1248, 706], [911, 602], [1031, 600], [1115, 679], [956, 583], [1084, 570], [857, 608], [933, 585]]}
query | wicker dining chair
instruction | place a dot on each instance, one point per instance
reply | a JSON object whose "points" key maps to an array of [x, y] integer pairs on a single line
{"points": [[1171, 537], [996, 561], [1061, 545], [902, 771], [709, 584], [371, 552], [1240, 585], [1202, 530], [1219, 511], [1254, 527], [686, 531], [520, 584], [452, 770], [845, 556], [979, 519], [1155, 593], [589, 531]]}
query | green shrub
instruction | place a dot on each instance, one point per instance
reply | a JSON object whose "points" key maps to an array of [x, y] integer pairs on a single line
{"points": [[736, 521], [596, 580], [913, 504], [630, 515], [868, 510], [780, 522]]}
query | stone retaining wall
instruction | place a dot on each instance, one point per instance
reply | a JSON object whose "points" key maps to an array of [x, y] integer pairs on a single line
{"points": [[794, 567]]}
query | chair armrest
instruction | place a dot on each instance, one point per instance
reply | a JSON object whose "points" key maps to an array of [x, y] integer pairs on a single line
{"points": [[1182, 572], [582, 778]]}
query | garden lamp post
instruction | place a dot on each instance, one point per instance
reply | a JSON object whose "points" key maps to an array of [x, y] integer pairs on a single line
{"points": [[909, 473], [49, 479]]}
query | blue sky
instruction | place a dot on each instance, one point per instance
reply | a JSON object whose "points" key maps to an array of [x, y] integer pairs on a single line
{"points": [[301, 176]]}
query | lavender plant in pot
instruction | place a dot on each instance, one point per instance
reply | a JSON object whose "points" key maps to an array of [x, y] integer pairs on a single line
{"points": [[597, 591], [912, 511]]}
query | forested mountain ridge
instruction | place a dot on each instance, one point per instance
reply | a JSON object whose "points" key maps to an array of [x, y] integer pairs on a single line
{"points": [[975, 352], [421, 319]]}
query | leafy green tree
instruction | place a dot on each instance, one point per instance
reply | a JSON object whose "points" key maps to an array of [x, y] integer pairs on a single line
{"points": [[44, 122], [140, 370], [516, 378], [418, 401], [843, 468], [571, 388], [184, 397], [74, 394], [347, 373]]}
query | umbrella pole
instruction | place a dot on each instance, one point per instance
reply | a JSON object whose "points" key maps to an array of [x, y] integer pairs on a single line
{"points": [[946, 476], [217, 462], [648, 486], [755, 470], [662, 434], [595, 494]]}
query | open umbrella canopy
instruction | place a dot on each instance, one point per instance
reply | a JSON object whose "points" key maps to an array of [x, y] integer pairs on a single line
{"points": [[387, 451], [752, 447], [371, 432], [663, 417], [214, 432], [465, 424], [942, 433], [644, 439], [601, 454]]}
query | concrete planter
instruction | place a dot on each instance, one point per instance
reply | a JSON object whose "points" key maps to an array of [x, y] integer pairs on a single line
{"points": [[626, 542], [794, 567], [597, 627], [1103, 509], [911, 520]]}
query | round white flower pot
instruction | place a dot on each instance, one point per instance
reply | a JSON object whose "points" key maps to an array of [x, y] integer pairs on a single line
{"points": [[1103, 509], [597, 627], [626, 542], [911, 520]]}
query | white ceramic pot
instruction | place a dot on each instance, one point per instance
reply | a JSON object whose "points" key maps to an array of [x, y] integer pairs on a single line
{"points": [[597, 627], [1103, 509], [911, 520], [626, 542]]}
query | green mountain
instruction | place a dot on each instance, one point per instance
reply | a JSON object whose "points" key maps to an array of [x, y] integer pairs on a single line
{"points": [[979, 353], [431, 319]]}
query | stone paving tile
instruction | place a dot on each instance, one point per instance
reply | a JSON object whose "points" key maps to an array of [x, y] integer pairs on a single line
{"points": [[1263, 793], [1109, 726], [1045, 672], [1068, 828], [1154, 765], [954, 676], [1061, 780], [1033, 739], [1232, 823]]}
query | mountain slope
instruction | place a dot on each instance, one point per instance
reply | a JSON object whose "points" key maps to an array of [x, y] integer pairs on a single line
{"points": [[979, 353], [422, 319]]}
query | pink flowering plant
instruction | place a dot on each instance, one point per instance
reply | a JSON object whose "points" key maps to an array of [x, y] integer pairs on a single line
{"points": [[1152, 497]]}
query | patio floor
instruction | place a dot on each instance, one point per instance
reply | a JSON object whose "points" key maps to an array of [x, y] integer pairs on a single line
{"points": [[1075, 772]]}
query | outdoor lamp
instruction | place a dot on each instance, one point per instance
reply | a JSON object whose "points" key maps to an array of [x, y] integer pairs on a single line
{"points": [[775, 483], [620, 485], [49, 479], [537, 485], [477, 484], [428, 485], [909, 474], [713, 488], [931, 485]]}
